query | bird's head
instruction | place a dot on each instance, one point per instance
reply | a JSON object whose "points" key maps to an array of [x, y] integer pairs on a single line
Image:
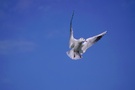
{"points": [[81, 39]]}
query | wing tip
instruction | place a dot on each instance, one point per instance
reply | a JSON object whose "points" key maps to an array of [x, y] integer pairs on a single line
{"points": [[104, 32]]}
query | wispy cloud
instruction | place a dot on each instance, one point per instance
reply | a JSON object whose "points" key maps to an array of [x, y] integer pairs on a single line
{"points": [[56, 33], [53, 34], [12, 46]]}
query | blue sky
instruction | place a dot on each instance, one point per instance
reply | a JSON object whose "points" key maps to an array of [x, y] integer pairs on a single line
{"points": [[34, 38]]}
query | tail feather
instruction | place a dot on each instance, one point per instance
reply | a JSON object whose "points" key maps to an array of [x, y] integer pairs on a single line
{"points": [[74, 55]]}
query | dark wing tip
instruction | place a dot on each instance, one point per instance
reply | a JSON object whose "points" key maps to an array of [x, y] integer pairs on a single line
{"points": [[71, 22], [98, 38]]}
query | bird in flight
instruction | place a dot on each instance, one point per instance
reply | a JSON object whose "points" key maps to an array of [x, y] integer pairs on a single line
{"points": [[79, 46]]}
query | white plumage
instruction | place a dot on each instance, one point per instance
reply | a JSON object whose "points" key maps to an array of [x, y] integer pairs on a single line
{"points": [[79, 46]]}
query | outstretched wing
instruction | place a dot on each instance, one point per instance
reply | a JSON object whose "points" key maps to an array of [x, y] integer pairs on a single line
{"points": [[72, 39], [90, 41]]}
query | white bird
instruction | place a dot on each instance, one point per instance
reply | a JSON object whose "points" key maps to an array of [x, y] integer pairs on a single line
{"points": [[79, 46]]}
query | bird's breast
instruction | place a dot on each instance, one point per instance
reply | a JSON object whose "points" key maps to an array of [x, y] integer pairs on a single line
{"points": [[77, 47]]}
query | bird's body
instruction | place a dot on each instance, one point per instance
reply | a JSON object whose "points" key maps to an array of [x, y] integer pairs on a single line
{"points": [[79, 46]]}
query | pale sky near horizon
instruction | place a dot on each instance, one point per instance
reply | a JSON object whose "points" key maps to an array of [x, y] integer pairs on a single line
{"points": [[34, 37]]}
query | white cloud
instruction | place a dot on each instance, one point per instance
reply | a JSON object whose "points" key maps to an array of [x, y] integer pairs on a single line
{"points": [[59, 32], [11, 46]]}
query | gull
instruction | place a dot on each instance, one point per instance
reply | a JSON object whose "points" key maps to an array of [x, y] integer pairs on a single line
{"points": [[79, 46]]}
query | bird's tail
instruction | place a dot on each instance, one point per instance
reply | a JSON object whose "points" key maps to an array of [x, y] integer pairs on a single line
{"points": [[74, 55]]}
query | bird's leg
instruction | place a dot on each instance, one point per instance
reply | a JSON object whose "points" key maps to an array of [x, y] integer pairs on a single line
{"points": [[74, 55], [79, 54]]}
